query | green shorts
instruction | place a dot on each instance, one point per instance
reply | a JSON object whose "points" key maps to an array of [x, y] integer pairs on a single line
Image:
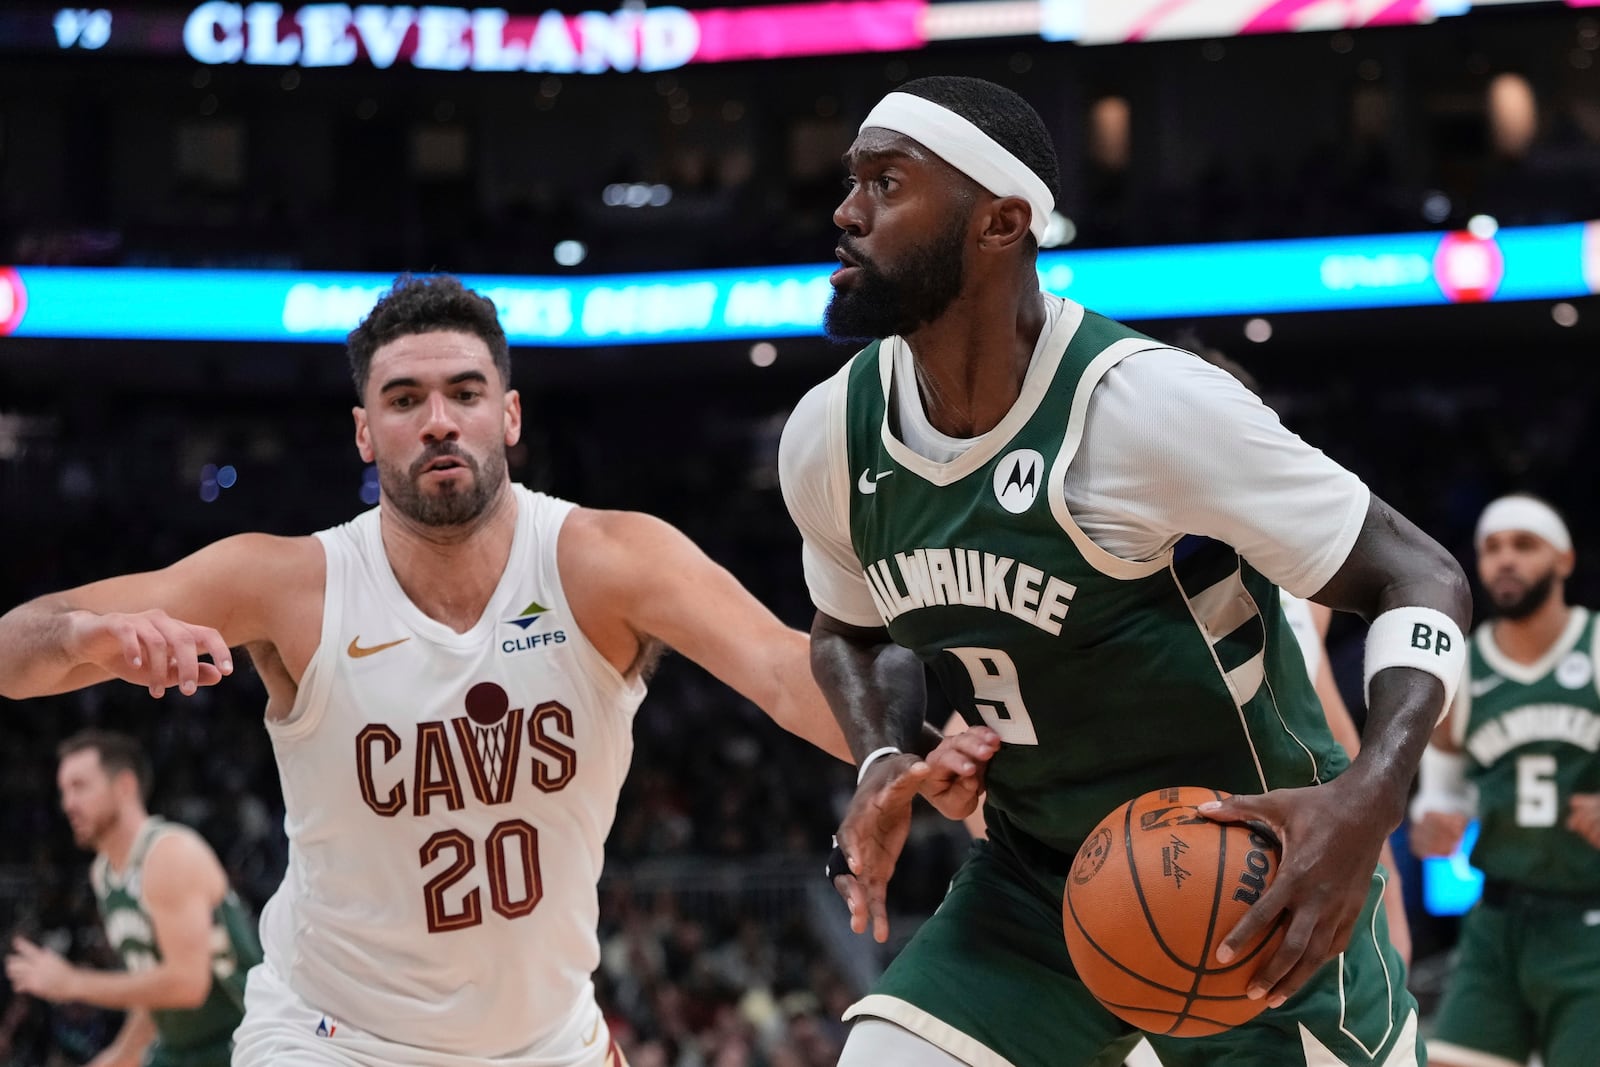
{"points": [[988, 980], [214, 1054], [1524, 981]]}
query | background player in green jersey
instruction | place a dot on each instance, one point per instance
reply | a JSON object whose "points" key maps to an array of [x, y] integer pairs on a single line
{"points": [[1082, 532], [1520, 751], [183, 936]]}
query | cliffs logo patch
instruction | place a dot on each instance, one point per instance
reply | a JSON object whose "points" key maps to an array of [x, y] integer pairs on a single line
{"points": [[1017, 478], [529, 615]]}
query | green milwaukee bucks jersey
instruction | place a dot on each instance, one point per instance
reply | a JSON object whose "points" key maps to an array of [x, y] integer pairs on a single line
{"points": [[1104, 678], [234, 949], [1532, 737]]}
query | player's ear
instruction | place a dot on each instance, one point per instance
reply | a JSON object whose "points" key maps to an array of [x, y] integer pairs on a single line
{"points": [[1005, 222], [363, 433], [1565, 563], [513, 417]]}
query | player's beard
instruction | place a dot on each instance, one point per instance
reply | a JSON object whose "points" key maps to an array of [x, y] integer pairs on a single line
{"points": [[447, 505], [1523, 603], [893, 302], [96, 828]]}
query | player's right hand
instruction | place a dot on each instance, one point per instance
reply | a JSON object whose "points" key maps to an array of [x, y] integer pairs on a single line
{"points": [[1437, 833], [150, 649], [956, 771], [873, 833]]}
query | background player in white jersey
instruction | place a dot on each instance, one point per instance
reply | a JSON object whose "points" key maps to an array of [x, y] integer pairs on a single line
{"points": [[451, 681], [1518, 751], [184, 939]]}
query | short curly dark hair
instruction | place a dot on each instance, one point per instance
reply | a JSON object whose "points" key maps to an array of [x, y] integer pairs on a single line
{"points": [[1000, 113], [422, 304]]}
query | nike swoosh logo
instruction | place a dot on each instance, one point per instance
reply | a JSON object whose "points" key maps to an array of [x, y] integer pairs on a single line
{"points": [[594, 1032], [1484, 685], [356, 651], [867, 485]]}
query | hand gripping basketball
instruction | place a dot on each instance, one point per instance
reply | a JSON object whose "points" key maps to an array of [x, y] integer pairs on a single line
{"points": [[1151, 894]]}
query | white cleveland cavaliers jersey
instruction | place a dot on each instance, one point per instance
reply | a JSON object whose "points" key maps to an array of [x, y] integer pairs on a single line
{"points": [[448, 797]]}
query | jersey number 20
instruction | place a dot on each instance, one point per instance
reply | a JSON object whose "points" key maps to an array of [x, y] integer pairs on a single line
{"points": [[511, 845]]}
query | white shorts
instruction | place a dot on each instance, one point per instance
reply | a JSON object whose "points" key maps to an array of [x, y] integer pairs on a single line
{"points": [[282, 1030]]}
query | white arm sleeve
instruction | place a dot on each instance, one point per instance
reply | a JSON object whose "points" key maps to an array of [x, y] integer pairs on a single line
{"points": [[816, 488], [1173, 445]]}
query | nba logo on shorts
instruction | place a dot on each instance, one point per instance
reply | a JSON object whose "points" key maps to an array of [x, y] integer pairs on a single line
{"points": [[326, 1027]]}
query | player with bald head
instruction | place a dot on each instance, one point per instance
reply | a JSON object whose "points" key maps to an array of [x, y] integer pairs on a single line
{"points": [[1082, 532], [1519, 751]]}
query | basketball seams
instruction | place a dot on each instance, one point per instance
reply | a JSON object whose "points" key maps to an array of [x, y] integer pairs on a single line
{"points": [[1200, 966], [1138, 889], [1159, 990]]}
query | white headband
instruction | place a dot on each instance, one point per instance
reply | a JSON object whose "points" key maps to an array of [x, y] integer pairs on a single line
{"points": [[1524, 513], [968, 149]]}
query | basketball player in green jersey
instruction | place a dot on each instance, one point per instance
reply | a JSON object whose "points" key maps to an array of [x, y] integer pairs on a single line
{"points": [[183, 936], [1004, 489], [1523, 734]]}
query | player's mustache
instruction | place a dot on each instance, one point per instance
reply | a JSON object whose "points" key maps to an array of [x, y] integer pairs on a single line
{"points": [[443, 450], [852, 253]]}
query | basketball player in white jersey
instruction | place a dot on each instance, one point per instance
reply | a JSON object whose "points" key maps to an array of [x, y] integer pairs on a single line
{"points": [[451, 682]]}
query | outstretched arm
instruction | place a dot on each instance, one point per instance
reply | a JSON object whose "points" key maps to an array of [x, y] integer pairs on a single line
{"points": [[153, 628], [633, 579]]}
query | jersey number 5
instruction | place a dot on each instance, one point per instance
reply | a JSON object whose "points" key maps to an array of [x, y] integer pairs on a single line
{"points": [[1538, 803], [997, 694], [511, 847]]}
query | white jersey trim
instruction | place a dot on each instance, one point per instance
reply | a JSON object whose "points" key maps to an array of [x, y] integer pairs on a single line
{"points": [[1035, 384], [311, 695], [1530, 673], [1173, 446], [1097, 557], [929, 1027], [376, 559]]}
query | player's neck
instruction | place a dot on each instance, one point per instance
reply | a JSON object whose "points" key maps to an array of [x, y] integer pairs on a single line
{"points": [[117, 845], [1528, 640], [450, 573], [971, 361]]}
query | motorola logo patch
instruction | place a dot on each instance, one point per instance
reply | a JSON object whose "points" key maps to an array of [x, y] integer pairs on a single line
{"points": [[1017, 478]]}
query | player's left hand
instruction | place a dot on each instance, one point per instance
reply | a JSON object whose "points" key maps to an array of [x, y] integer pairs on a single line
{"points": [[873, 833], [38, 971], [1330, 850], [1584, 819], [956, 768]]}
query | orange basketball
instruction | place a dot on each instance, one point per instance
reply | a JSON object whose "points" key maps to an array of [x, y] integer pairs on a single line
{"points": [[1152, 893]]}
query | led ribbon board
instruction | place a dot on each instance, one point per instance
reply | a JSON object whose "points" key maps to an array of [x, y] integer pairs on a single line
{"points": [[1175, 281], [439, 37]]}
